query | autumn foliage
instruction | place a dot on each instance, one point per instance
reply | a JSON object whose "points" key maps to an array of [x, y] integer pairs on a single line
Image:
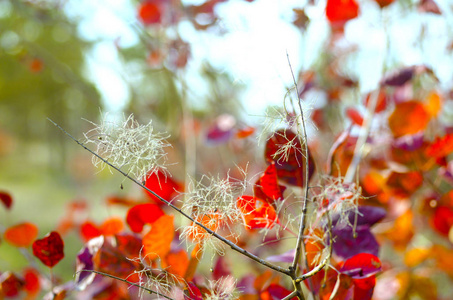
{"points": [[359, 206]]}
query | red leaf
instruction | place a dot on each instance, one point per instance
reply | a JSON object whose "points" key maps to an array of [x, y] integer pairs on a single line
{"points": [[275, 291], [21, 235], [363, 287], [111, 260], [441, 147], [32, 281], [10, 285], [89, 230], [256, 212], [149, 12], [49, 249], [163, 185], [267, 186], [381, 103], [142, 214], [192, 292], [284, 149], [442, 220], [355, 116], [6, 199], [339, 12], [362, 265], [128, 244]]}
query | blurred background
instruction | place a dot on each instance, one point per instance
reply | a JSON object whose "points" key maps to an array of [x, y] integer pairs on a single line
{"points": [[205, 72]]}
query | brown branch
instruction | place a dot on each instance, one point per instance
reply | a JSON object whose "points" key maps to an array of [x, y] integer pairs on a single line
{"points": [[221, 238]]}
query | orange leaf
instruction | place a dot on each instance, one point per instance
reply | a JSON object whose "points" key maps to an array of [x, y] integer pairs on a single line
{"points": [[373, 185], [112, 226], [256, 212], [384, 3], [21, 235], [403, 185], [245, 132], [433, 104], [177, 262], [402, 231], [314, 246], [416, 256], [211, 221], [408, 118], [157, 242], [443, 256]]}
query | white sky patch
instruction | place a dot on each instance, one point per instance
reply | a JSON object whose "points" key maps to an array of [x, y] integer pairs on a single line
{"points": [[259, 35]]}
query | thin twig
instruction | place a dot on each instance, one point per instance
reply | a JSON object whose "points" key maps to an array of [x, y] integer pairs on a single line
{"points": [[294, 293], [221, 238], [364, 132], [300, 246], [129, 282]]}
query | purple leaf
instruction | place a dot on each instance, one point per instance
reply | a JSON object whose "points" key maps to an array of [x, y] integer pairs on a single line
{"points": [[246, 284], [409, 142], [400, 78], [85, 262], [368, 215], [221, 269], [286, 257], [222, 130], [345, 245]]}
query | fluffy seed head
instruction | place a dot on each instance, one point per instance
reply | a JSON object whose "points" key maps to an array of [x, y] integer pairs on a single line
{"points": [[127, 143]]}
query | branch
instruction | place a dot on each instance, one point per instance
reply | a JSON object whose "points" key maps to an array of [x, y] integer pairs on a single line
{"points": [[294, 293], [128, 282], [315, 269], [300, 246], [221, 238], [364, 132]]}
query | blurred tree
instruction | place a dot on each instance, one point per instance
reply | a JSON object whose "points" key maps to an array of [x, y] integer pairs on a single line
{"points": [[41, 74]]}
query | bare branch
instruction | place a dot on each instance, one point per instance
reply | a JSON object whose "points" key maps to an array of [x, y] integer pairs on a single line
{"points": [[300, 246], [221, 238], [128, 282]]}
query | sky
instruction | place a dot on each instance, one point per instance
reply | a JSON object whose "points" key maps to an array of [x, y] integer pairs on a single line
{"points": [[254, 51]]}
